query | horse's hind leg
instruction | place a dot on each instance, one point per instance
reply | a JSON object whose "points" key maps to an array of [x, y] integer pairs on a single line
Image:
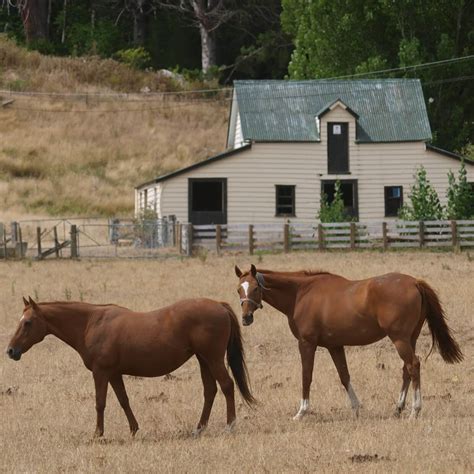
{"points": [[307, 353], [101, 383], [220, 373], [119, 389], [412, 364], [210, 390], [403, 392], [339, 358]]}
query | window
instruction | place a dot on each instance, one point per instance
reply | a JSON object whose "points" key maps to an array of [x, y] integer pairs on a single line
{"points": [[349, 191], [393, 200], [285, 200], [338, 147]]}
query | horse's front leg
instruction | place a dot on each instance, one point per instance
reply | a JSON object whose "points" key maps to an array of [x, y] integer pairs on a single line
{"points": [[101, 382], [119, 388], [307, 352]]}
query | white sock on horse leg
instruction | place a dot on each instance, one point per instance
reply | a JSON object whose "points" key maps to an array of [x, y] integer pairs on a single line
{"points": [[355, 404], [304, 408]]}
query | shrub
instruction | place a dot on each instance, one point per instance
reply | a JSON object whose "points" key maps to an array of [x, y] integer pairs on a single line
{"points": [[424, 199], [460, 196], [335, 210], [138, 58]]}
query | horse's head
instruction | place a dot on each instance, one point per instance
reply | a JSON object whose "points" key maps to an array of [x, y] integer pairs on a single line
{"points": [[31, 330], [250, 293]]}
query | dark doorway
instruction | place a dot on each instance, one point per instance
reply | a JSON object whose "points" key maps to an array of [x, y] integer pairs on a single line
{"points": [[207, 201], [349, 195], [338, 147]]}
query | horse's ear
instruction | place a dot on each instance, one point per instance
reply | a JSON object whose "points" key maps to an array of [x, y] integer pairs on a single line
{"points": [[32, 303], [253, 270], [238, 271], [25, 302]]}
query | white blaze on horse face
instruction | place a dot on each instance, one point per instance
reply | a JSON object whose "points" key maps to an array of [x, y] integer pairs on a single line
{"points": [[22, 317], [245, 286], [304, 407]]}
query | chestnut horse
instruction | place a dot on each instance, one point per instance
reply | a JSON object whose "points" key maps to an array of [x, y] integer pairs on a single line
{"points": [[330, 311], [113, 341]]}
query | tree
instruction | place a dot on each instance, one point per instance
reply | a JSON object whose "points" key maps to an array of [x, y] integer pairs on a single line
{"points": [[460, 196], [425, 205], [333, 211], [207, 16], [342, 37], [35, 17]]}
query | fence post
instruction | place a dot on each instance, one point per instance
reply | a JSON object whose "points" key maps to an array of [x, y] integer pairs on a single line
{"points": [[56, 241], [74, 249], [320, 237], [5, 242], [286, 237], [38, 240], [251, 241], [422, 233], [384, 235], [14, 232], [454, 234], [189, 250], [20, 237], [353, 235], [218, 238]]}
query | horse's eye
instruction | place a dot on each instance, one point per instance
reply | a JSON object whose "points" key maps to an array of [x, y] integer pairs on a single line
{"points": [[28, 323]]}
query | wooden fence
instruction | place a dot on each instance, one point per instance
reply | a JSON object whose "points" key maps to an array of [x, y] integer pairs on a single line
{"points": [[348, 235]]}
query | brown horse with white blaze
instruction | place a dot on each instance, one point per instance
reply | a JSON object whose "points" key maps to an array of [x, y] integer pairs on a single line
{"points": [[330, 311], [113, 341]]}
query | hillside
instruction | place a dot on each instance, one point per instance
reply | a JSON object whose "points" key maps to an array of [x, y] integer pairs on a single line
{"points": [[82, 156]]}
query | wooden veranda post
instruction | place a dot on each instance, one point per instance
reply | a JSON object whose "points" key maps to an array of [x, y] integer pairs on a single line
{"points": [[384, 235], [251, 240], [286, 237], [38, 240], [218, 239], [454, 234], [353, 235], [74, 252]]}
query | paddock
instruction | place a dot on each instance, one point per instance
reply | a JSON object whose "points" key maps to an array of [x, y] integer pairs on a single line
{"points": [[47, 399]]}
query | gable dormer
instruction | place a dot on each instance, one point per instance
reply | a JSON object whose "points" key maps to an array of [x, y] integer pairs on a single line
{"points": [[336, 124]]}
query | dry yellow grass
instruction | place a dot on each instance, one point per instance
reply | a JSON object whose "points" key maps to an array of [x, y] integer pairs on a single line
{"points": [[47, 402], [81, 158]]}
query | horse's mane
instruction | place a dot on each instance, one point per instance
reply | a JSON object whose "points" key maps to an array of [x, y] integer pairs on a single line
{"points": [[308, 273]]}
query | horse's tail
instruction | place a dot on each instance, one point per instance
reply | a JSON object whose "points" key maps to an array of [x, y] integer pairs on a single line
{"points": [[441, 335], [236, 357]]}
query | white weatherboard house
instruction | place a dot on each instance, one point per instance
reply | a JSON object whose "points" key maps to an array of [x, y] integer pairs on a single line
{"points": [[290, 140]]}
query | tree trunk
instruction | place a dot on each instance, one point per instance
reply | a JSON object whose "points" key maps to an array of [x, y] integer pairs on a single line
{"points": [[208, 48], [34, 15], [139, 23]]}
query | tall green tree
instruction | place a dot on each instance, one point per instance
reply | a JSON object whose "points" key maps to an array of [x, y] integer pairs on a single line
{"points": [[343, 37], [460, 196]]}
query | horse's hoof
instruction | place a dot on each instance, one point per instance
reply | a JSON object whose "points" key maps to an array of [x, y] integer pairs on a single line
{"points": [[413, 415], [298, 416], [197, 432], [230, 427]]}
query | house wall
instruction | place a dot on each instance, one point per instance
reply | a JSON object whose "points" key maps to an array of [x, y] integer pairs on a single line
{"points": [[253, 173]]}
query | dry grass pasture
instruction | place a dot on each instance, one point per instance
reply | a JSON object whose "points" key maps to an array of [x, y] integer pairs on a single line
{"points": [[47, 401], [83, 156]]}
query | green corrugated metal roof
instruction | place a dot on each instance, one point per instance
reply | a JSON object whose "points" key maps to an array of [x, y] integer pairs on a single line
{"points": [[390, 110]]}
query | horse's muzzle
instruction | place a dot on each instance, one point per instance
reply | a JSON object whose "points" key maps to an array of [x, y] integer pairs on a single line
{"points": [[247, 320], [14, 353]]}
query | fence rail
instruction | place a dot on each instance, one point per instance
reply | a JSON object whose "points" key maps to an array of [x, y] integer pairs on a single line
{"points": [[346, 235], [158, 238]]}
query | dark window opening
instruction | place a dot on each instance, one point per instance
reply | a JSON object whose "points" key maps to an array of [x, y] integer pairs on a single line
{"points": [[393, 200], [338, 147], [349, 195], [207, 196], [285, 200]]}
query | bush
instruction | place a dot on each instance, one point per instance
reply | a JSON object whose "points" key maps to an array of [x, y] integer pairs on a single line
{"points": [[425, 203], [138, 58], [460, 196], [334, 211]]}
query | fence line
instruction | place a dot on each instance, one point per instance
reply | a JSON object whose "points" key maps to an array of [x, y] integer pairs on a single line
{"points": [[70, 238]]}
